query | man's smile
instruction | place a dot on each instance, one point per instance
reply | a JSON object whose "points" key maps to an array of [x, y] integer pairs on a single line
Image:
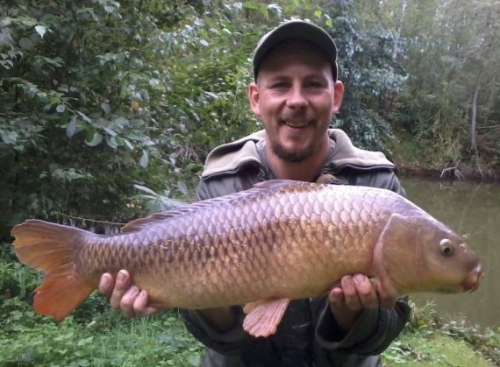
{"points": [[296, 124]]}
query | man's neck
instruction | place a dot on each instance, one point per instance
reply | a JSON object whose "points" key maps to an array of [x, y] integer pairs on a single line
{"points": [[306, 170]]}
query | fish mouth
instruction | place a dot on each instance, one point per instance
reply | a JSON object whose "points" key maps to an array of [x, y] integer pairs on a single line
{"points": [[471, 283]]}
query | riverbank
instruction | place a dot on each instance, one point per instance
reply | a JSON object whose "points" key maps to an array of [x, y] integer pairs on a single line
{"points": [[414, 160], [430, 341], [450, 172]]}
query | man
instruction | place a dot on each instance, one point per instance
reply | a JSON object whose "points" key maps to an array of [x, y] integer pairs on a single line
{"points": [[295, 94]]}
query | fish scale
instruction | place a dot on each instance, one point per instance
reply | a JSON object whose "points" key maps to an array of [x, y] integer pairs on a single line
{"points": [[278, 241]]}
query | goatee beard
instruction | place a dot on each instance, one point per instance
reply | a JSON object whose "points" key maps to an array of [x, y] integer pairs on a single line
{"points": [[292, 156]]}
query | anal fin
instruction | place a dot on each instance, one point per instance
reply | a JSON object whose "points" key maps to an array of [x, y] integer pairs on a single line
{"points": [[263, 317]]}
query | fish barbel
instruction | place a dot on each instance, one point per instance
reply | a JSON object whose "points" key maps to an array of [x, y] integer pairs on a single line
{"points": [[263, 247]]}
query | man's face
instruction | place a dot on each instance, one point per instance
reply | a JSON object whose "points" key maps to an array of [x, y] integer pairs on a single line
{"points": [[295, 97]]}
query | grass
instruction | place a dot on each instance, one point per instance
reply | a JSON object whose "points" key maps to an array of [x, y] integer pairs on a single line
{"points": [[435, 350], [109, 340], [428, 340]]}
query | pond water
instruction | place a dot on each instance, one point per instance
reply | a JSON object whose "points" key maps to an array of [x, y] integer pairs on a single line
{"points": [[473, 211]]}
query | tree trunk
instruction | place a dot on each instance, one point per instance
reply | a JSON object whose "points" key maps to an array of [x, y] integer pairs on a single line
{"points": [[395, 50], [473, 122]]}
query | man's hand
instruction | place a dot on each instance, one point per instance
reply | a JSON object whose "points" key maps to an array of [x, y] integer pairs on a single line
{"points": [[355, 293], [122, 295]]}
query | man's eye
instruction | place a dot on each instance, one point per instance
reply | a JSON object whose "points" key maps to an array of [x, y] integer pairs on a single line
{"points": [[314, 85], [279, 85]]}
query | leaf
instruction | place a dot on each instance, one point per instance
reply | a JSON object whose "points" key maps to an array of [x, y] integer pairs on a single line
{"points": [[128, 144], [110, 131], [8, 137], [26, 43], [84, 116], [109, 9], [90, 131], [274, 8], [318, 13], [105, 107], [145, 189], [41, 30], [97, 139], [181, 185], [71, 128], [144, 159], [263, 10], [111, 141], [250, 5]]}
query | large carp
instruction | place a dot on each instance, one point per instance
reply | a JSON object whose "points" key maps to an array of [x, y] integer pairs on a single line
{"points": [[278, 241]]}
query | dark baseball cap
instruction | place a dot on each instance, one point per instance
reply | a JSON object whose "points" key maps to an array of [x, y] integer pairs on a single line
{"points": [[296, 30]]}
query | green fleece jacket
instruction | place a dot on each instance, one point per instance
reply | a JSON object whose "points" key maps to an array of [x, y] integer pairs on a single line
{"points": [[308, 335]]}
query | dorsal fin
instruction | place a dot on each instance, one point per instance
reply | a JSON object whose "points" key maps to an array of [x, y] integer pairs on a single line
{"points": [[276, 183], [142, 223]]}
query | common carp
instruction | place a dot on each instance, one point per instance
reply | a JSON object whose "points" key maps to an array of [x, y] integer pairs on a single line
{"points": [[278, 241]]}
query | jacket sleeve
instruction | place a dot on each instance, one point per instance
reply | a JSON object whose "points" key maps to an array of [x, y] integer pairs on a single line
{"points": [[372, 333], [227, 343]]}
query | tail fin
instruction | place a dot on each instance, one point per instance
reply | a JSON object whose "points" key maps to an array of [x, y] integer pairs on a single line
{"points": [[47, 247]]}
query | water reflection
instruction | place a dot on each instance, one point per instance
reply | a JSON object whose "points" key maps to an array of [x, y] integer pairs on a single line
{"points": [[472, 210]]}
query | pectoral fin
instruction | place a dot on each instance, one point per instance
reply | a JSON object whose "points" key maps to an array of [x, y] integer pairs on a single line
{"points": [[263, 317]]}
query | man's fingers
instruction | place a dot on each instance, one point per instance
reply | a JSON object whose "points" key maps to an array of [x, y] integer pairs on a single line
{"points": [[128, 300], [106, 285], [336, 296], [141, 307], [124, 296], [366, 292], [356, 292], [386, 299], [122, 285], [350, 291]]}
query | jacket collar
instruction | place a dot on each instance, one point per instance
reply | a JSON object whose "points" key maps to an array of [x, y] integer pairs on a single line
{"points": [[230, 157]]}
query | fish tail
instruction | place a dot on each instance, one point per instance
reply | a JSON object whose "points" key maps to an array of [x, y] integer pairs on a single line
{"points": [[48, 247]]}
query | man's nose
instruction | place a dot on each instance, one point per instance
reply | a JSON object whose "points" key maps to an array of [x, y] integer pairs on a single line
{"points": [[296, 97]]}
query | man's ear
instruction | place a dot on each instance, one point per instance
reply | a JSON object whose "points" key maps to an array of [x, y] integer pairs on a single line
{"points": [[253, 97], [338, 95]]}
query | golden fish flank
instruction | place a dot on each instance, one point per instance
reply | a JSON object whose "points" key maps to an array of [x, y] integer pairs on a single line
{"points": [[278, 241]]}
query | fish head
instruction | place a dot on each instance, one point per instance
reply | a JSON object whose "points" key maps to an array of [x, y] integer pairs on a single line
{"points": [[420, 254]]}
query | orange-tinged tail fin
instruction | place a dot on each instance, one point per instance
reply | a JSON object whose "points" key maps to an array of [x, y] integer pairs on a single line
{"points": [[47, 247]]}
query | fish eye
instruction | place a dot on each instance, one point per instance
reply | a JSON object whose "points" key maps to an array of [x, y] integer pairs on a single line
{"points": [[446, 247]]}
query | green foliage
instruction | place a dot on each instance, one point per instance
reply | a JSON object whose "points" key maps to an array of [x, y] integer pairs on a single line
{"points": [[372, 78], [450, 50], [108, 340], [144, 95]]}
